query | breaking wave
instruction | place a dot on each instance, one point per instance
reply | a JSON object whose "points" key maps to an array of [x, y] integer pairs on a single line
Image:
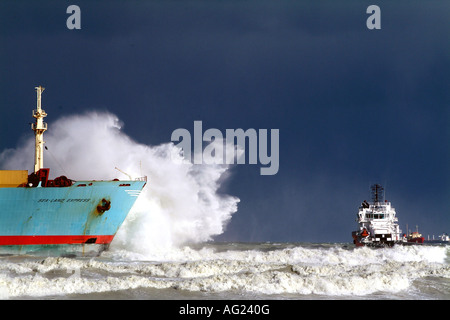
{"points": [[180, 203]]}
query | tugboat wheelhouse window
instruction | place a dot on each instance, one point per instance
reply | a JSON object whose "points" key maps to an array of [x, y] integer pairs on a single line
{"points": [[375, 215]]}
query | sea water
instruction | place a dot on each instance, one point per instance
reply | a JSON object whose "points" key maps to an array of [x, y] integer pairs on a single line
{"points": [[230, 271]]}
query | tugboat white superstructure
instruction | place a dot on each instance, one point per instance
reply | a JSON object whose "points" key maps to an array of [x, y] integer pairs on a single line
{"points": [[377, 222]]}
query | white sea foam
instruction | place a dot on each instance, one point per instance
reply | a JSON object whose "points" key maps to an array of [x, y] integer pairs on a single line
{"points": [[331, 271]]}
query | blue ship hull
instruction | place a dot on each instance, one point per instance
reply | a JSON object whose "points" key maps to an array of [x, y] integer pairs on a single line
{"points": [[87, 213], [37, 213]]}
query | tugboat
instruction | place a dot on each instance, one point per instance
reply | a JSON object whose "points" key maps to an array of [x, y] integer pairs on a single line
{"points": [[415, 237], [377, 222]]}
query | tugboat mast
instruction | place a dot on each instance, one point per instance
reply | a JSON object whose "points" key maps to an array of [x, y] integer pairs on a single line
{"points": [[39, 127], [377, 193]]}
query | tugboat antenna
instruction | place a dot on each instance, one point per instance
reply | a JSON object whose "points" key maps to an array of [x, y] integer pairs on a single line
{"points": [[377, 193]]}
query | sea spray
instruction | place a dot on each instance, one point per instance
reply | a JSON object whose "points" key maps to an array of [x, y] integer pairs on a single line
{"points": [[180, 202]]}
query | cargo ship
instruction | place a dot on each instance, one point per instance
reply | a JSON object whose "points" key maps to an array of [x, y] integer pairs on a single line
{"points": [[60, 215], [377, 222]]}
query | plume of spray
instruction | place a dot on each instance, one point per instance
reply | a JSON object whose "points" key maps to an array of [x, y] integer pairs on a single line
{"points": [[180, 203]]}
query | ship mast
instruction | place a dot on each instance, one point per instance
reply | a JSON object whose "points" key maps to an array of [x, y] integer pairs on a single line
{"points": [[39, 127], [377, 193]]}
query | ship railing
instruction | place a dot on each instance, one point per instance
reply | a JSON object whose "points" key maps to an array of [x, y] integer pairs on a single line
{"points": [[144, 178]]}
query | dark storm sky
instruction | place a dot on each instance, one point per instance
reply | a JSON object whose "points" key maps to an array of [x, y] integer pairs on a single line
{"points": [[353, 106]]}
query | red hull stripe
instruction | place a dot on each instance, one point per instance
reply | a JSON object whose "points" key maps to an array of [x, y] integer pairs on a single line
{"points": [[43, 240]]}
